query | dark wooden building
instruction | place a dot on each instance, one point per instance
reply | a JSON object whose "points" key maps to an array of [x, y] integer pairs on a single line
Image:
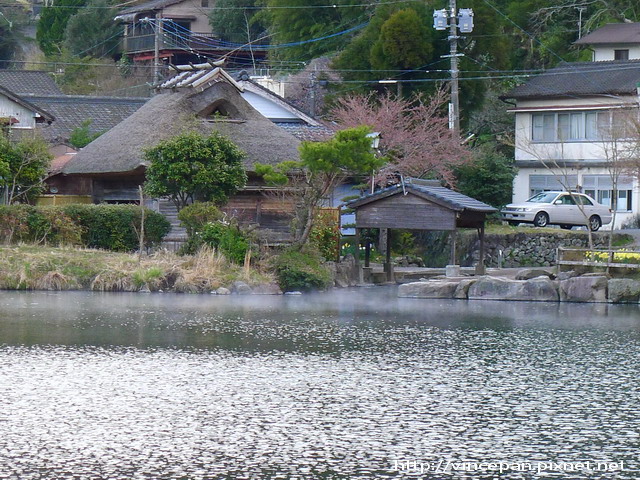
{"points": [[420, 205]]}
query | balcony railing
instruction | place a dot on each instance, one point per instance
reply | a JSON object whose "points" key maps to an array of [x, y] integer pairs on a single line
{"points": [[169, 41]]}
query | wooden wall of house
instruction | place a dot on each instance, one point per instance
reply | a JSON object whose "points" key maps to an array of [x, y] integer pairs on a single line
{"points": [[68, 185], [117, 189], [193, 10], [405, 211], [257, 208]]}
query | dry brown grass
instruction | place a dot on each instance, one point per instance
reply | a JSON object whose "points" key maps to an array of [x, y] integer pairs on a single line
{"points": [[28, 267]]}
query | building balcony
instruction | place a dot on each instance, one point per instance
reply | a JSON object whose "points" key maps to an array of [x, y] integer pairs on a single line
{"points": [[208, 42]]}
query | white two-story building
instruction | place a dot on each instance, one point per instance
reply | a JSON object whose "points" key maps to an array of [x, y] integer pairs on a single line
{"points": [[572, 124]]}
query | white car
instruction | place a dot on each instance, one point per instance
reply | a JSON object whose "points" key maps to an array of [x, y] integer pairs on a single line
{"points": [[558, 208]]}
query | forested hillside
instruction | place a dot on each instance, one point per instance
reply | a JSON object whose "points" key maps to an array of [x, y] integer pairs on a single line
{"points": [[368, 42]]}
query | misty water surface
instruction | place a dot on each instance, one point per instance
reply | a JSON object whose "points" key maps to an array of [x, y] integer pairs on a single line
{"points": [[347, 384]]}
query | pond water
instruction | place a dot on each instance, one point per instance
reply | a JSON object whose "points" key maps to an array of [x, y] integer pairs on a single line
{"points": [[351, 384]]}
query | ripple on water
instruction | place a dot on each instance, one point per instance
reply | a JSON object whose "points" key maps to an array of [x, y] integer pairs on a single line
{"points": [[312, 395]]}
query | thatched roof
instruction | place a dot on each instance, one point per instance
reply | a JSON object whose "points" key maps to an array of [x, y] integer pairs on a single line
{"points": [[121, 149]]}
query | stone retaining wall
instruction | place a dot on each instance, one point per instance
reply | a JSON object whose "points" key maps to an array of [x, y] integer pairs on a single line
{"points": [[527, 249]]}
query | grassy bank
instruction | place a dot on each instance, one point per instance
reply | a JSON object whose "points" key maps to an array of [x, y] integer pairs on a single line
{"points": [[26, 267]]}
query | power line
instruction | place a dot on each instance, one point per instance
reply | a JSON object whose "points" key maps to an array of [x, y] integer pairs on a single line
{"points": [[189, 38], [248, 7]]}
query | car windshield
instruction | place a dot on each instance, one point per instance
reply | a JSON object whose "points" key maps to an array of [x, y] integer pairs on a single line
{"points": [[543, 197]]}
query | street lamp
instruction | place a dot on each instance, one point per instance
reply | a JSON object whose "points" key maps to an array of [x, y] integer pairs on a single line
{"points": [[375, 143]]}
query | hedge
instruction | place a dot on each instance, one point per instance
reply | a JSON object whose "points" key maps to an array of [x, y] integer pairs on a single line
{"points": [[109, 227]]}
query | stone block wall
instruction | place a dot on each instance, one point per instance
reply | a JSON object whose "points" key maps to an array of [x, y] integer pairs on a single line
{"points": [[527, 249]]}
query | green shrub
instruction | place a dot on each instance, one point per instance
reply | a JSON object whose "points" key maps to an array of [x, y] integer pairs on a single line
{"points": [[115, 227], [14, 225], [228, 239], [109, 227], [57, 228], [325, 235], [301, 270], [193, 217]]}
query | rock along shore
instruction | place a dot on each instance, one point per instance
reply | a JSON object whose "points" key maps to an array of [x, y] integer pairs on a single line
{"points": [[530, 285]]}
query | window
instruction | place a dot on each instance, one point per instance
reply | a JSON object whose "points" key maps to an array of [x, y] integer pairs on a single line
{"points": [[546, 183], [543, 127], [600, 187], [565, 200], [582, 200], [204, 3], [621, 54], [577, 126]]}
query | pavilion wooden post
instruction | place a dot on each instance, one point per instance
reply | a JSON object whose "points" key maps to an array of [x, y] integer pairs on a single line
{"points": [[452, 238], [480, 270], [356, 256], [388, 266]]}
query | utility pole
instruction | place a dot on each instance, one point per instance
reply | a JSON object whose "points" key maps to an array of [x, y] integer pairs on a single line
{"points": [[454, 20], [454, 110], [156, 48]]}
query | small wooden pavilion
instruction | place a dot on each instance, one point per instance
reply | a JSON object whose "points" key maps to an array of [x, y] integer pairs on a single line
{"points": [[420, 205]]}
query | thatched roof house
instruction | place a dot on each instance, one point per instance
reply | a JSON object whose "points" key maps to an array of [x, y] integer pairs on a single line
{"points": [[201, 98], [210, 102]]}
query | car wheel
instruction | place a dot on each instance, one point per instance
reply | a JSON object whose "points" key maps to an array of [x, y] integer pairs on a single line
{"points": [[541, 219], [566, 227], [514, 224], [595, 223]]}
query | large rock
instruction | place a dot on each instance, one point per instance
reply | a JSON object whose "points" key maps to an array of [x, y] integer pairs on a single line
{"points": [[430, 289], [584, 289], [624, 290], [267, 289], [240, 288], [344, 273], [529, 273], [566, 275], [540, 289], [462, 290]]}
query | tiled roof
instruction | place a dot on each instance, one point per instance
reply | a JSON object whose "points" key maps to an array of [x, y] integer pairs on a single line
{"points": [[617, 77], [71, 111], [454, 200], [303, 131], [29, 82], [612, 33], [152, 5]]}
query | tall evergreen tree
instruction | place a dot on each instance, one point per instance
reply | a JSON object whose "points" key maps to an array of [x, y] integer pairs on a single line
{"points": [[237, 24], [53, 22], [294, 21], [92, 31]]}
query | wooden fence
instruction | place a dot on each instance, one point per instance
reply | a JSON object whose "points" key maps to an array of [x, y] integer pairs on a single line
{"points": [[598, 257]]}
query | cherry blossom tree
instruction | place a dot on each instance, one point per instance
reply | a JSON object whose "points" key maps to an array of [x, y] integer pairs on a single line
{"points": [[414, 133]]}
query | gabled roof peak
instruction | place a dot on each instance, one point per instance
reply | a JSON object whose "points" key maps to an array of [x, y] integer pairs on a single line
{"points": [[199, 77]]}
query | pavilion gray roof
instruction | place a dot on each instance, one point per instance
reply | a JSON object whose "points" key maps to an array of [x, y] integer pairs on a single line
{"points": [[71, 111], [121, 149], [618, 77], [613, 33], [29, 82], [450, 198]]}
